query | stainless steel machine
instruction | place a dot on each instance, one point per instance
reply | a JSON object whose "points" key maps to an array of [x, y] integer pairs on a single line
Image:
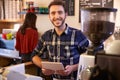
{"points": [[97, 24]]}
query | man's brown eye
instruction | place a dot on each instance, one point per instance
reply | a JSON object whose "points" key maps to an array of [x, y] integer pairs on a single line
{"points": [[52, 13], [60, 12]]}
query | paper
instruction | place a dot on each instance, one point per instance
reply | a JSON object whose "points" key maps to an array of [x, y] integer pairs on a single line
{"points": [[13, 75], [19, 76], [17, 72], [32, 77], [17, 68], [53, 65]]}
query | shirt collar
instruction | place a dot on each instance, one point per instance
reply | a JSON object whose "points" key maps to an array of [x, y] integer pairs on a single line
{"points": [[65, 31]]}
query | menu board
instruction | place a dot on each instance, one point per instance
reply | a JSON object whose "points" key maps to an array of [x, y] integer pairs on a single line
{"points": [[94, 3], [70, 5]]}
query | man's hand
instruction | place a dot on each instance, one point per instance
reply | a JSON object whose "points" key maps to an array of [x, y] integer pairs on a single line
{"points": [[47, 72], [68, 70]]}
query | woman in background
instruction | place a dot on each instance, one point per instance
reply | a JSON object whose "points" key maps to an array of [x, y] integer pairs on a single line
{"points": [[27, 37]]}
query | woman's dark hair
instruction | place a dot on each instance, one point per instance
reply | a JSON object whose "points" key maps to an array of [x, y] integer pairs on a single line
{"points": [[29, 22], [58, 2]]}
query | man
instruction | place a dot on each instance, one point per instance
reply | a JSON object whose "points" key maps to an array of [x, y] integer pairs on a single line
{"points": [[63, 44]]}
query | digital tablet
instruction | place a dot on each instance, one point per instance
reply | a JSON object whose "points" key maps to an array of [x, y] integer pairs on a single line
{"points": [[53, 65]]}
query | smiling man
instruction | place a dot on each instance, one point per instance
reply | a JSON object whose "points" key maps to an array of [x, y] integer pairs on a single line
{"points": [[63, 44]]}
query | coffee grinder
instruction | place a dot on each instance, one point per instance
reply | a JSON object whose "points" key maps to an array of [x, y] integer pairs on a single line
{"points": [[97, 25]]}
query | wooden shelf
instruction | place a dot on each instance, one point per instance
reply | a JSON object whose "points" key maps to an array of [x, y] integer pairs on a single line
{"points": [[34, 12], [11, 21]]}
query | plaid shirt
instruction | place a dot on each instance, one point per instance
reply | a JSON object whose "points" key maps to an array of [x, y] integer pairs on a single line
{"points": [[65, 48]]}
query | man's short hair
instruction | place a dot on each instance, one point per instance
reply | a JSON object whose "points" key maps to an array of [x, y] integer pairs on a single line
{"points": [[58, 2]]}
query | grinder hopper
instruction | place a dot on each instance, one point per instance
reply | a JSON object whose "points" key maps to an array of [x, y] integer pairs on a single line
{"points": [[97, 24]]}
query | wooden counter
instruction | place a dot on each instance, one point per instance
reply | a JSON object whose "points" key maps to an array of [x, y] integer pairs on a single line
{"points": [[30, 68]]}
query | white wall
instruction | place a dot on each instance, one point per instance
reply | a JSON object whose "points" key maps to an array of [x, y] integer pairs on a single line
{"points": [[44, 24], [117, 5]]}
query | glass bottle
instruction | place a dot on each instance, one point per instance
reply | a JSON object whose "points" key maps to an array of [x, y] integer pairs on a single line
{"points": [[85, 73]]}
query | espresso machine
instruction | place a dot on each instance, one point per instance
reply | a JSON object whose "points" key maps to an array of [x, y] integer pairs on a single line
{"points": [[97, 25]]}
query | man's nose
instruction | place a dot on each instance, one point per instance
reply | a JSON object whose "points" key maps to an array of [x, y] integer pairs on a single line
{"points": [[57, 15]]}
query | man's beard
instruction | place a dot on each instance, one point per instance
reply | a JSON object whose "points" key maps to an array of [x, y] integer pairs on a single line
{"points": [[62, 22]]}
